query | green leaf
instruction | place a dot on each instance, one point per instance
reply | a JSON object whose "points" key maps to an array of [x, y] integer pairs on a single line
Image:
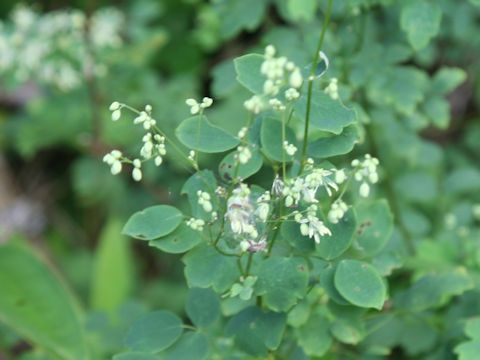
{"points": [[416, 187], [326, 114], [271, 138], [314, 336], [434, 290], [182, 239], [154, 332], [463, 181], [438, 111], [205, 267], [135, 356], [36, 304], [199, 134], [302, 9], [386, 262], [203, 180], [360, 284], [375, 226], [226, 168], [468, 350], [202, 306], [192, 345], [333, 246], [472, 328], [282, 281], [447, 79], [348, 330], [421, 21], [327, 280], [153, 222], [256, 330], [112, 275], [240, 14], [333, 145], [248, 72]]}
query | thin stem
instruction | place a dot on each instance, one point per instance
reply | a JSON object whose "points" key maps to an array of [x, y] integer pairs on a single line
{"points": [[249, 264], [311, 78], [284, 165]]}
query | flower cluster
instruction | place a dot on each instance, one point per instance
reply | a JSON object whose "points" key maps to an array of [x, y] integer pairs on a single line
{"points": [[30, 42], [239, 210], [196, 107], [290, 149], [366, 171], [153, 142], [279, 72], [305, 188], [337, 210], [332, 89], [204, 200], [311, 225], [196, 224]]}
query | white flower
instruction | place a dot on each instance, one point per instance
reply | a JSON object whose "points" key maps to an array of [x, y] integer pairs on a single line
{"points": [[194, 106], [296, 78], [276, 104], [158, 160], [206, 102], [116, 115], [311, 226], [270, 51], [191, 155], [340, 176], [204, 200], [263, 206], [116, 167], [364, 190], [114, 106], [136, 172], [239, 211]]}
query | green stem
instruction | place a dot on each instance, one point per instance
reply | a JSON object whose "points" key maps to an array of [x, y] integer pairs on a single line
{"points": [[249, 264], [311, 78]]}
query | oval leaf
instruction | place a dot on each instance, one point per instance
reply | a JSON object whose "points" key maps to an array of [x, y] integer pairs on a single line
{"points": [[326, 114], [248, 72], [227, 166], [271, 138], [153, 222], [198, 133], [192, 345], [359, 283], [182, 239], [333, 145], [202, 306], [154, 332], [282, 281]]}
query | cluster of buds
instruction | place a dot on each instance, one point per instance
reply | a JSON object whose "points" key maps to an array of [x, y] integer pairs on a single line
{"points": [[290, 149], [114, 160], [196, 107], [196, 224], [136, 171], [145, 118], [204, 200], [311, 225], [337, 210], [365, 171], [332, 89], [279, 72], [244, 154], [151, 149]]}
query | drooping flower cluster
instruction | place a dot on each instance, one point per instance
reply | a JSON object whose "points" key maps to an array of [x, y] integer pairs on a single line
{"points": [[153, 142], [196, 224], [279, 72], [239, 211], [366, 171], [311, 225]]}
